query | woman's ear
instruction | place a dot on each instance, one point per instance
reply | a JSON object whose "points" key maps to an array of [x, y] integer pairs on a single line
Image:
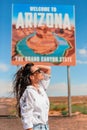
{"points": [[31, 77]]}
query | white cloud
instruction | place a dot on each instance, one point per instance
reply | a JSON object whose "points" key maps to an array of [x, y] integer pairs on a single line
{"points": [[61, 89], [3, 67], [81, 62], [80, 89], [5, 88], [83, 52], [57, 90], [82, 56]]}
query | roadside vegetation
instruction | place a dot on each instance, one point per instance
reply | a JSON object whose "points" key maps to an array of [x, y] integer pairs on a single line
{"points": [[63, 108]]}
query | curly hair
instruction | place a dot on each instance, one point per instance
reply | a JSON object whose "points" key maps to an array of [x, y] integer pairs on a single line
{"points": [[20, 82]]}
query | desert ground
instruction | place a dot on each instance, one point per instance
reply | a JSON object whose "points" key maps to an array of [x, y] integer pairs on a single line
{"points": [[10, 121], [55, 123]]}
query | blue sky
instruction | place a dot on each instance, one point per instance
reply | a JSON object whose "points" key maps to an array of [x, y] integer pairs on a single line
{"points": [[58, 85], [25, 8]]}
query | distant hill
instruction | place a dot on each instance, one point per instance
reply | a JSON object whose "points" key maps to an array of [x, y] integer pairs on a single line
{"points": [[74, 99]]}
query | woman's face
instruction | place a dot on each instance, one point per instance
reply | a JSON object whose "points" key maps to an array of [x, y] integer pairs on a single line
{"points": [[37, 73]]}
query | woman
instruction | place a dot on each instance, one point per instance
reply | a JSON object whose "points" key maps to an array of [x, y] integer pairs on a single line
{"points": [[30, 86]]}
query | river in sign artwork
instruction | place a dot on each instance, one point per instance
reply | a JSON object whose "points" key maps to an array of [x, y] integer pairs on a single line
{"points": [[24, 50]]}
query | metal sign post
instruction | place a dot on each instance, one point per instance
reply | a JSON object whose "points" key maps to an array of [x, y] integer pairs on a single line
{"points": [[69, 91]]}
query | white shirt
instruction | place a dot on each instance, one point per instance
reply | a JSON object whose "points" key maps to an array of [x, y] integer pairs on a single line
{"points": [[35, 104]]}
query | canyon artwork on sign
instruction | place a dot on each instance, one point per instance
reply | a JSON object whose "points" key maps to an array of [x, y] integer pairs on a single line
{"points": [[43, 34]]}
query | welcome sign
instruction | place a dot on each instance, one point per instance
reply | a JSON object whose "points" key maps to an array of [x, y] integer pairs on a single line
{"points": [[43, 34]]}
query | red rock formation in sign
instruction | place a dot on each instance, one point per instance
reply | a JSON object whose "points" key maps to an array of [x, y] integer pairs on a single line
{"points": [[43, 42]]}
